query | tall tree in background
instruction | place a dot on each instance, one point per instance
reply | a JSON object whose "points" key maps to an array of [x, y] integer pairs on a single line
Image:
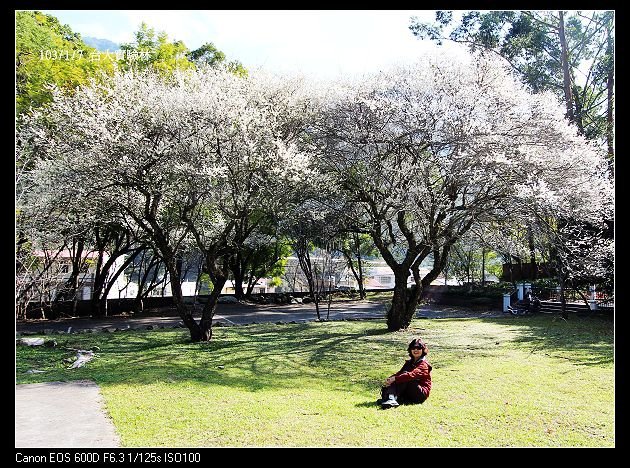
{"points": [[208, 54], [47, 51], [154, 50], [355, 248], [570, 54]]}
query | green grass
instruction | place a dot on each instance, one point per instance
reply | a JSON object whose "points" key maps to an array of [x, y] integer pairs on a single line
{"points": [[526, 381], [384, 297]]}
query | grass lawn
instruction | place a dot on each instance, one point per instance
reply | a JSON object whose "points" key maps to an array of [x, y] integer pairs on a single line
{"points": [[524, 381]]}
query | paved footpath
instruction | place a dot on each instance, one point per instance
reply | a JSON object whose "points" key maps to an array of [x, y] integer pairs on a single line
{"points": [[244, 313], [226, 314], [62, 414]]}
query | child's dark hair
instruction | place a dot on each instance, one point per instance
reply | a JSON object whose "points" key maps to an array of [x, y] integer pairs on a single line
{"points": [[415, 343]]}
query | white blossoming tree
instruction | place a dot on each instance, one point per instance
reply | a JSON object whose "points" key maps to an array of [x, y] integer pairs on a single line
{"points": [[430, 150], [186, 160]]}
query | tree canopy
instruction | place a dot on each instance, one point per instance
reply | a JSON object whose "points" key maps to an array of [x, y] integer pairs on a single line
{"points": [[48, 52], [568, 53], [183, 157]]}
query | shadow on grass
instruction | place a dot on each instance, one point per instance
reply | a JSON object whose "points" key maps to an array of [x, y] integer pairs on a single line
{"points": [[335, 354], [587, 341], [375, 403], [251, 358]]}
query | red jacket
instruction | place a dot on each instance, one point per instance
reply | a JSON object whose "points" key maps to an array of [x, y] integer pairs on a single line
{"points": [[420, 373]]}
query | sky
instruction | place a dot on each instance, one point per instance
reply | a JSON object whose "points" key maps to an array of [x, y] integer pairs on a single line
{"points": [[323, 44]]}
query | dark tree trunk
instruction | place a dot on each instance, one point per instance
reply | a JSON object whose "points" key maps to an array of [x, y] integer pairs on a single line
{"points": [[404, 301], [304, 259], [69, 290], [561, 283], [532, 252], [483, 267], [566, 76], [610, 124], [238, 273], [316, 301], [563, 300], [176, 288], [357, 243], [356, 272], [362, 292], [238, 287], [153, 266], [102, 287], [468, 266], [209, 309]]}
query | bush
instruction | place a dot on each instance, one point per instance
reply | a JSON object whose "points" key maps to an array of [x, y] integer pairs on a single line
{"points": [[544, 283], [491, 290]]}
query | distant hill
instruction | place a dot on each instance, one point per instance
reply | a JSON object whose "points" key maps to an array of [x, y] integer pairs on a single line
{"points": [[103, 45]]}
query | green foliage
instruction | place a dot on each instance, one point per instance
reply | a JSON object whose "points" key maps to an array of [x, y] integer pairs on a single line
{"points": [[530, 42], [466, 260], [490, 291], [266, 260], [207, 54], [154, 50], [237, 68], [205, 284], [494, 264], [316, 384], [49, 52], [545, 283], [275, 281], [354, 245], [366, 245]]}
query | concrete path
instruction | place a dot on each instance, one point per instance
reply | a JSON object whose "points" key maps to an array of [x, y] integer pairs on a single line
{"points": [[62, 414], [226, 314], [240, 314]]}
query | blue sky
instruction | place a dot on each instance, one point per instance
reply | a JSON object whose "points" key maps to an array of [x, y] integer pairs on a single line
{"points": [[324, 44]]}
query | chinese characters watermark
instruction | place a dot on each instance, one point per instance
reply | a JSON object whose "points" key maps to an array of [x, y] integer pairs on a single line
{"points": [[96, 56]]}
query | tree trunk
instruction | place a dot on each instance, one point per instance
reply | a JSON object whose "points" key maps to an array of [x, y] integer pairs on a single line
{"points": [[566, 77], [468, 268], [357, 243], [153, 266], [237, 272], [316, 300], [210, 308], [182, 310], [102, 287], [358, 272], [362, 293], [483, 267], [610, 124], [329, 303], [97, 294], [69, 289], [561, 283], [404, 302], [250, 285], [532, 252], [304, 259], [563, 300]]}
